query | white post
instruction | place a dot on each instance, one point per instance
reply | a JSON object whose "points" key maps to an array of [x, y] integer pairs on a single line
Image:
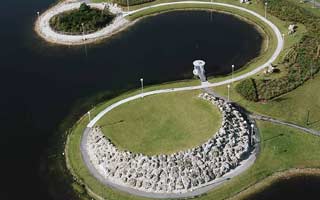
{"points": [[211, 12], [228, 92], [251, 137], [84, 39], [38, 13], [89, 115], [141, 80], [232, 73], [265, 9], [82, 25]]}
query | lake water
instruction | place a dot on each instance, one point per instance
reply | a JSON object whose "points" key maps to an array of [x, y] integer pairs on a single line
{"points": [[299, 187], [44, 85]]}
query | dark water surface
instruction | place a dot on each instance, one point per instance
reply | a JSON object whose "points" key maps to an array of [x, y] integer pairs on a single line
{"points": [[44, 85], [299, 187]]}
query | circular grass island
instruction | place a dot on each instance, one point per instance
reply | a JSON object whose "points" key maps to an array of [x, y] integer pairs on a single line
{"points": [[198, 162], [161, 124], [83, 20]]}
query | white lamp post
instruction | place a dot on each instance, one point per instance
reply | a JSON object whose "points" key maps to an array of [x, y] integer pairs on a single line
{"points": [[251, 137], [141, 80], [89, 115], [228, 92], [265, 9], [232, 72], [84, 38], [82, 25], [211, 13], [38, 13]]}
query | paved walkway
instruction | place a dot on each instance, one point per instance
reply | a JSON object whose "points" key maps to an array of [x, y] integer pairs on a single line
{"points": [[276, 121], [315, 3]]}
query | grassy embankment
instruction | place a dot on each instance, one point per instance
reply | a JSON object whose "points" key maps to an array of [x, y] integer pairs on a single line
{"points": [[153, 122]]}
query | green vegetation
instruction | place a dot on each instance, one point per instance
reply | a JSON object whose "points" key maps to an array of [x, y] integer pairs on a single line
{"points": [[247, 88], [158, 120], [302, 61], [83, 20]]}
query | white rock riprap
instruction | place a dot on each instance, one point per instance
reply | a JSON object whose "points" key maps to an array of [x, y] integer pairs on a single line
{"points": [[179, 172]]}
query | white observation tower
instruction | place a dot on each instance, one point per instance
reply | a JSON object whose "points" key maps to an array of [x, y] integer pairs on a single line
{"points": [[198, 70]]}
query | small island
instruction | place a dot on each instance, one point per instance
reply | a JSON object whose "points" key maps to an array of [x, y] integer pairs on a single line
{"points": [[81, 21]]}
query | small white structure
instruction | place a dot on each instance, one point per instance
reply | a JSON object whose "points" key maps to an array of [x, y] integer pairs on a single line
{"points": [[292, 29], [198, 70], [269, 70], [245, 1]]}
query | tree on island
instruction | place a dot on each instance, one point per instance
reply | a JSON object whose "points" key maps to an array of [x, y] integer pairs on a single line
{"points": [[83, 20]]}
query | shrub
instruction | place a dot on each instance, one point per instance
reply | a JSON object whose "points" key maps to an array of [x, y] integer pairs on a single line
{"points": [[71, 22], [247, 89]]}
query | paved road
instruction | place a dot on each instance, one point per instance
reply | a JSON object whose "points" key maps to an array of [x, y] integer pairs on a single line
{"points": [[316, 3]]}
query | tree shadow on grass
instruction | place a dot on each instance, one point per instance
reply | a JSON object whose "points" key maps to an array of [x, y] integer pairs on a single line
{"points": [[111, 124], [274, 137]]}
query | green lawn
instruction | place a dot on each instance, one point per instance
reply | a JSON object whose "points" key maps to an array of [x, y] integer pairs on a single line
{"points": [[152, 123]]}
